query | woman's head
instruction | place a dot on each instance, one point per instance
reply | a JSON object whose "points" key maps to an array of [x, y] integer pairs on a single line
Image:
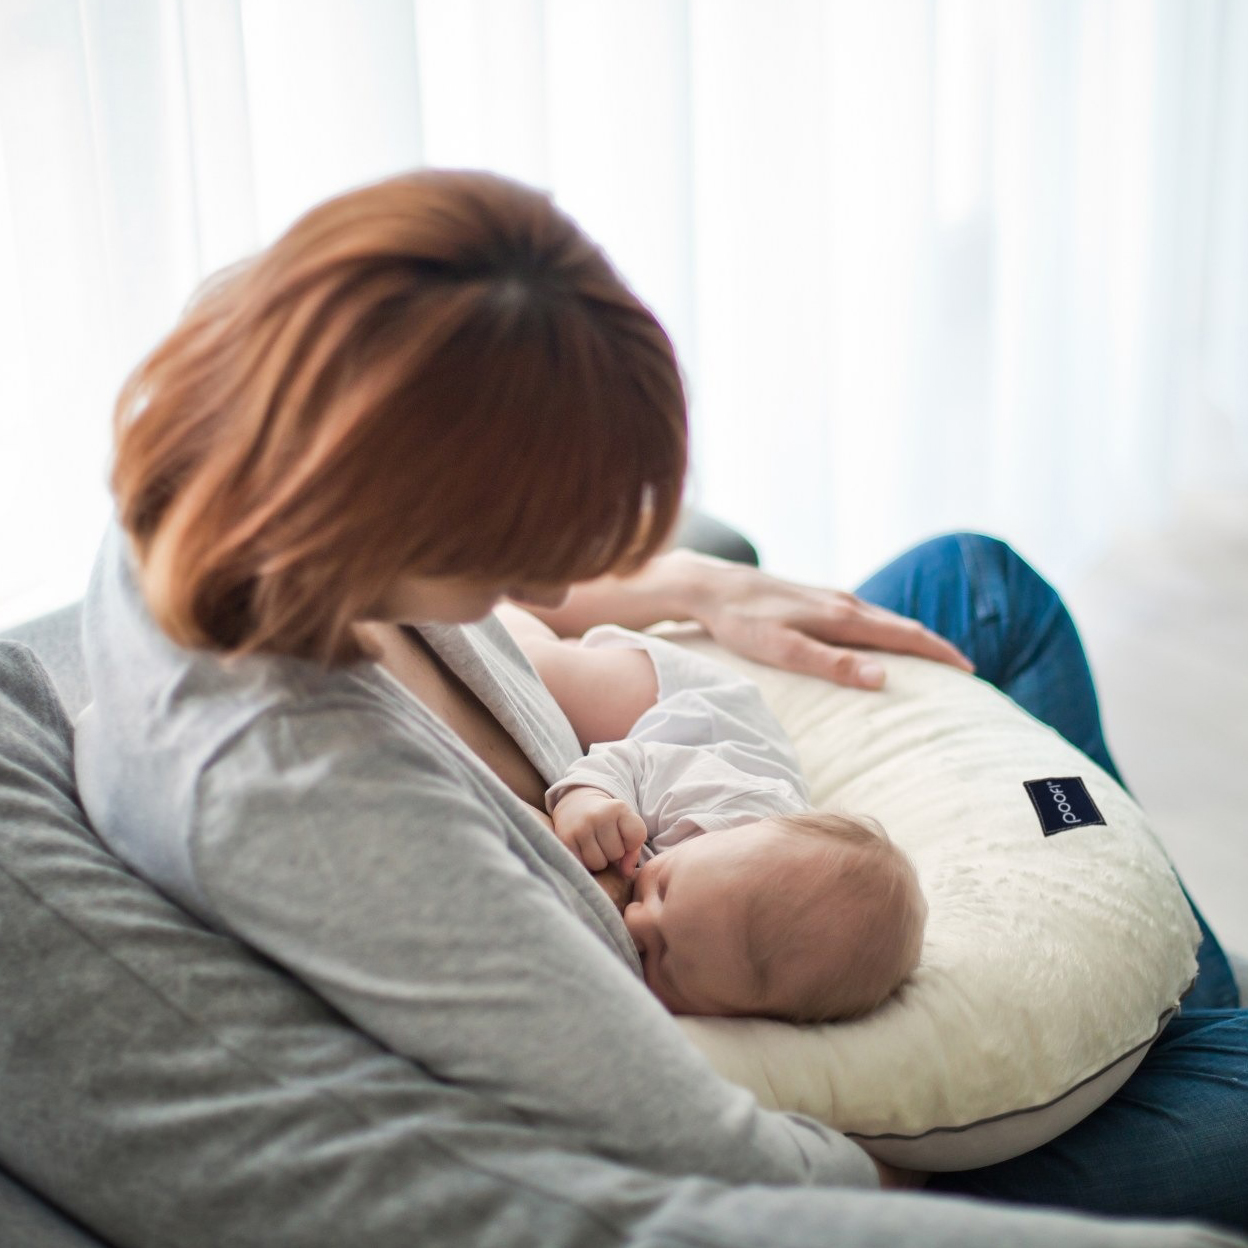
{"points": [[435, 376]]}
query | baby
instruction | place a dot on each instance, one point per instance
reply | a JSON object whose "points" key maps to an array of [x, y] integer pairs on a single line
{"points": [[746, 902]]}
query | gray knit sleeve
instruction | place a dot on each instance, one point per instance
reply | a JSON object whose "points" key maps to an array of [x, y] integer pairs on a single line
{"points": [[382, 877]]}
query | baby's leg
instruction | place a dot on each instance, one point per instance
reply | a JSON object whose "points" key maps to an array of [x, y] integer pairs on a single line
{"points": [[602, 692]]}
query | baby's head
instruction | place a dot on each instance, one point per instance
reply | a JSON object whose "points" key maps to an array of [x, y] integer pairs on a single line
{"points": [[835, 920], [804, 917]]}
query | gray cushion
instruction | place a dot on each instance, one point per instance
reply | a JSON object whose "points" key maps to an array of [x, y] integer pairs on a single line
{"points": [[27, 1221], [55, 639], [704, 533]]}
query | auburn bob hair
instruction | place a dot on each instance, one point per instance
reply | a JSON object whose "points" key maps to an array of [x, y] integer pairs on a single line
{"points": [[438, 374]]}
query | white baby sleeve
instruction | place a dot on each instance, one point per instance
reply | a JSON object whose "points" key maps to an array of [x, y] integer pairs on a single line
{"points": [[678, 790], [707, 755]]}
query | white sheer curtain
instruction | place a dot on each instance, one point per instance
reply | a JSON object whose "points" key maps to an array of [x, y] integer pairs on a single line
{"points": [[928, 263]]}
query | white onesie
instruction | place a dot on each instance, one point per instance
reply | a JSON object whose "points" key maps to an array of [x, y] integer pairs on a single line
{"points": [[708, 755]]}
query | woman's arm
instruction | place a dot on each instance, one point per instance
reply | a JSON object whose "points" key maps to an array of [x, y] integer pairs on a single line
{"points": [[678, 585], [389, 882], [797, 627]]}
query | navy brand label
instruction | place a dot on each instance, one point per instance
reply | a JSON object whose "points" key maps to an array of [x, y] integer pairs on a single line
{"points": [[1062, 802]]}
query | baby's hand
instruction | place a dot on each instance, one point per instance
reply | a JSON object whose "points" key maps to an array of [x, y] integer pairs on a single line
{"points": [[600, 829]]}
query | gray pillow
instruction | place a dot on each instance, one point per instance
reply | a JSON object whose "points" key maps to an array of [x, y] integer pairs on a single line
{"points": [[56, 639], [28, 1221]]}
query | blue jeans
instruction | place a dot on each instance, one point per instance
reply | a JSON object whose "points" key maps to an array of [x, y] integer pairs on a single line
{"points": [[1174, 1140]]}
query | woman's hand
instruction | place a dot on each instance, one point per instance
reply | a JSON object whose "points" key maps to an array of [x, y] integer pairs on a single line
{"points": [[804, 629], [761, 617]]}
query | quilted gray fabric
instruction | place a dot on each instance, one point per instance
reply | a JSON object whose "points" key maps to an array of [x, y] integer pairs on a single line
{"points": [[56, 639], [28, 1222]]}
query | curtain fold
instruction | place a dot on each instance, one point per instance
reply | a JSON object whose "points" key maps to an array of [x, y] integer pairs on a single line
{"points": [[928, 263]]}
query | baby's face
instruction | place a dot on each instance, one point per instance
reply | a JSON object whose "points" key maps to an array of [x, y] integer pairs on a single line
{"points": [[688, 921]]}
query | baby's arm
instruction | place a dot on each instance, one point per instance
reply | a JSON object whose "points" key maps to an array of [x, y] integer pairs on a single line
{"points": [[603, 692], [678, 791], [617, 884]]}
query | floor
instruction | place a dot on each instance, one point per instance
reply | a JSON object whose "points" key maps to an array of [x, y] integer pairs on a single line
{"points": [[1164, 617]]}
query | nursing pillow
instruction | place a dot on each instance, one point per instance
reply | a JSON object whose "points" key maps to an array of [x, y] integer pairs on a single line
{"points": [[1058, 940]]}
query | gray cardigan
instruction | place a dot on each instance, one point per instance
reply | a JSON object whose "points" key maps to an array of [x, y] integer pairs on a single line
{"points": [[330, 821]]}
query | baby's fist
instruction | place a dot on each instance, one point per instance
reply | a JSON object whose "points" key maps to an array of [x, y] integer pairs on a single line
{"points": [[600, 829]]}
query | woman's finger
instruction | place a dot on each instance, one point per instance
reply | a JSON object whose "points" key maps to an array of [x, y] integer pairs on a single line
{"points": [[882, 629], [757, 615], [798, 653]]}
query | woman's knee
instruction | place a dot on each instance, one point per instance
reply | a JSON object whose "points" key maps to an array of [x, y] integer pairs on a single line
{"points": [[975, 569], [972, 588], [977, 555], [1001, 583], [989, 558]]}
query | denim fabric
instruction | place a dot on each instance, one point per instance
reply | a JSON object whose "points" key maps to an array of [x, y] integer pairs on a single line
{"points": [[1174, 1140]]}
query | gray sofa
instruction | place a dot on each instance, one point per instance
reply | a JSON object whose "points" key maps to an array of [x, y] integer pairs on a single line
{"points": [[162, 1085]]}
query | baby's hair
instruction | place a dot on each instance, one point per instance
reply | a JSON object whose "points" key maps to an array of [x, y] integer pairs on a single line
{"points": [[884, 927]]}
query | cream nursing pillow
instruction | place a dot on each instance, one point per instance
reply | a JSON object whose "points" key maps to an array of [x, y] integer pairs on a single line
{"points": [[1058, 940]]}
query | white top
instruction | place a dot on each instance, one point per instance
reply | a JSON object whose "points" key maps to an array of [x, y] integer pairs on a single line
{"points": [[708, 755]]}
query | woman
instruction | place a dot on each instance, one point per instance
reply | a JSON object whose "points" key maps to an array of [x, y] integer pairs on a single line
{"points": [[429, 394]]}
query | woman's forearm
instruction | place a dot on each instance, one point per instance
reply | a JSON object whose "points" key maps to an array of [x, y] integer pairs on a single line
{"points": [[801, 628], [672, 586]]}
